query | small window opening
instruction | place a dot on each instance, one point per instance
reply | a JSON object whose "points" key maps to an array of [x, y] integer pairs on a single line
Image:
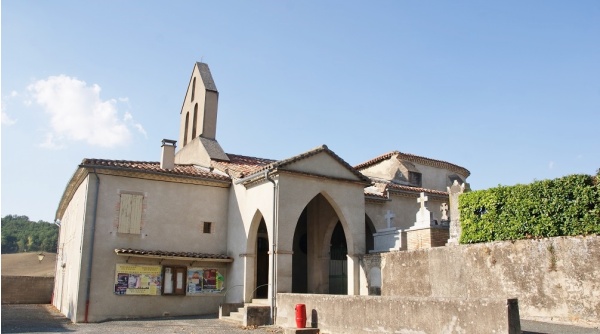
{"points": [[415, 179], [193, 89], [195, 119], [207, 227]]}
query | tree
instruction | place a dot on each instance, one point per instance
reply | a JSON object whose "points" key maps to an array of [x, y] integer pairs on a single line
{"points": [[19, 234]]}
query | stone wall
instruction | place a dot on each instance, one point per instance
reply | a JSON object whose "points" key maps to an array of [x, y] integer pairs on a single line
{"points": [[434, 236], [27, 289], [555, 279], [370, 314]]}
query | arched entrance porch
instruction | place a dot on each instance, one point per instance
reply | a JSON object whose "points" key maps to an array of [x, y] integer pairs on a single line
{"points": [[319, 260]]}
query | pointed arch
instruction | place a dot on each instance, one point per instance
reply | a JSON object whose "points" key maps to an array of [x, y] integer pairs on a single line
{"points": [[193, 89], [257, 258], [369, 231], [187, 124], [195, 121]]}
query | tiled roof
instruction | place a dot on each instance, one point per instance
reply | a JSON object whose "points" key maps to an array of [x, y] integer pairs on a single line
{"points": [[394, 186], [381, 188], [319, 149], [153, 167], [417, 159], [159, 253], [239, 165]]}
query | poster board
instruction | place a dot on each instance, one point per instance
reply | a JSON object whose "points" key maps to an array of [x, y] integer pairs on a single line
{"points": [[205, 280], [132, 279]]}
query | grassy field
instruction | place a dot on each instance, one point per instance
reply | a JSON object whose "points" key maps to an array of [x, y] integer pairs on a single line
{"points": [[27, 264]]}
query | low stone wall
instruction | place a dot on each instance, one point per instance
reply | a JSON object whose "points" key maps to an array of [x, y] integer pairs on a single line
{"points": [[372, 314], [555, 279], [27, 289]]}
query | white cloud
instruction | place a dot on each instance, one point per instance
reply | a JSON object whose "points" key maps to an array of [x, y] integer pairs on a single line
{"points": [[50, 143], [551, 165], [78, 113], [6, 119]]}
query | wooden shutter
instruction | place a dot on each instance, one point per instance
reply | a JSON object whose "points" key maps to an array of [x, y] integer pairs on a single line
{"points": [[130, 214]]}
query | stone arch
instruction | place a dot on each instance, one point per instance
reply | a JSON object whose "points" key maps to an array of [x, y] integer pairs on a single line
{"points": [[187, 124], [369, 231], [195, 121], [257, 262]]}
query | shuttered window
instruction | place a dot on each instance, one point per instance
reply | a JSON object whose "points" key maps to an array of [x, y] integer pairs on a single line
{"points": [[130, 213]]}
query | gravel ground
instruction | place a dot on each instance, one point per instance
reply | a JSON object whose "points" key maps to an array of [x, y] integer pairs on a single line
{"points": [[22, 318]]}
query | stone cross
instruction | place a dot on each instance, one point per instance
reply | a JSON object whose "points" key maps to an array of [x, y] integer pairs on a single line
{"points": [[423, 217], [444, 209], [388, 218], [422, 200], [454, 192]]}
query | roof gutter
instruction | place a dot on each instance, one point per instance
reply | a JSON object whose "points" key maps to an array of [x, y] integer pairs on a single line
{"points": [[274, 254], [91, 252]]}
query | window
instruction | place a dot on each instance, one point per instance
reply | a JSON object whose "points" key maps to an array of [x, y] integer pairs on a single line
{"points": [[194, 120], [130, 213], [187, 123], [415, 179], [207, 228], [193, 89], [174, 280]]}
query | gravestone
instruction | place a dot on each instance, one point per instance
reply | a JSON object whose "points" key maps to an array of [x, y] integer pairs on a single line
{"points": [[389, 238], [425, 233], [454, 191], [423, 216], [444, 209]]}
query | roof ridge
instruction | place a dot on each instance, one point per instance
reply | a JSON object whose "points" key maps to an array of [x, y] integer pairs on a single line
{"points": [[414, 158]]}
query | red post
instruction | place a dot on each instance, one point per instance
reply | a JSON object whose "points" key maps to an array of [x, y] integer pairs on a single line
{"points": [[300, 316]]}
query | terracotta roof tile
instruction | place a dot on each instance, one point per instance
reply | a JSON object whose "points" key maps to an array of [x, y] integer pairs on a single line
{"points": [[380, 189], [417, 159], [239, 165], [158, 253], [153, 167]]}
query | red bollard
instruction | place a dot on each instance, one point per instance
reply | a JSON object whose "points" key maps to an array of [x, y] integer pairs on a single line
{"points": [[300, 316]]}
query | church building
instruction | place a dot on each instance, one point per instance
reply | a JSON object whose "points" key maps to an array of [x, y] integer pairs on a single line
{"points": [[202, 227]]}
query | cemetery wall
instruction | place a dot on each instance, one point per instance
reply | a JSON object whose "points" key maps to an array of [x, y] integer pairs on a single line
{"points": [[370, 314], [554, 279], [27, 289]]}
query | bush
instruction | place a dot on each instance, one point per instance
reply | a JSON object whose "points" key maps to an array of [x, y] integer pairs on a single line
{"points": [[564, 206]]}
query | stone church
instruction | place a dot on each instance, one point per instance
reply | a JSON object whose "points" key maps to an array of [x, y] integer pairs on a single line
{"points": [[202, 227]]}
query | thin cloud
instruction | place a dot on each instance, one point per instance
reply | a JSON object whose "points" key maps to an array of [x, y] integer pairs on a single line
{"points": [[6, 119], [551, 165], [50, 143], [77, 113]]}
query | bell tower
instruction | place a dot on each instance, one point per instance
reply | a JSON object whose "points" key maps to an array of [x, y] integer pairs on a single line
{"points": [[198, 120]]}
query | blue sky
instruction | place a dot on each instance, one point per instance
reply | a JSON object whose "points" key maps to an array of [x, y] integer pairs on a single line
{"points": [[508, 89]]}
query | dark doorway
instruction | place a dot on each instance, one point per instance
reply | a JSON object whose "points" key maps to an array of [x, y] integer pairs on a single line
{"points": [[300, 257], [338, 262], [369, 231], [262, 261]]}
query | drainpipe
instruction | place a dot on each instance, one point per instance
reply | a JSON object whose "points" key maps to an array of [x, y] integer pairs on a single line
{"points": [[273, 258], [91, 253]]}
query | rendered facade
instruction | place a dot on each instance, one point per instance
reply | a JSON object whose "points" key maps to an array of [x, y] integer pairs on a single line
{"points": [[202, 227]]}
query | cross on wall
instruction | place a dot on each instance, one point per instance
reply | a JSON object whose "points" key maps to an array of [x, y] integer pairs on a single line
{"points": [[422, 199], [444, 209], [389, 215]]}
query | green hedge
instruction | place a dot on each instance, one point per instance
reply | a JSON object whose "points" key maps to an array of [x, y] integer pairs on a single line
{"points": [[565, 206]]}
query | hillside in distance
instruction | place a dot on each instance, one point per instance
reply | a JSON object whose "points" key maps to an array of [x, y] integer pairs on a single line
{"points": [[27, 264]]}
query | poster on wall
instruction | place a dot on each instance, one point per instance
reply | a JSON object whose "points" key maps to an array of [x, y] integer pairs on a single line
{"points": [[137, 280], [205, 280]]}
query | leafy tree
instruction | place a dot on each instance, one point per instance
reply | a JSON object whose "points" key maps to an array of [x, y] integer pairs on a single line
{"points": [[19, 234]]}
